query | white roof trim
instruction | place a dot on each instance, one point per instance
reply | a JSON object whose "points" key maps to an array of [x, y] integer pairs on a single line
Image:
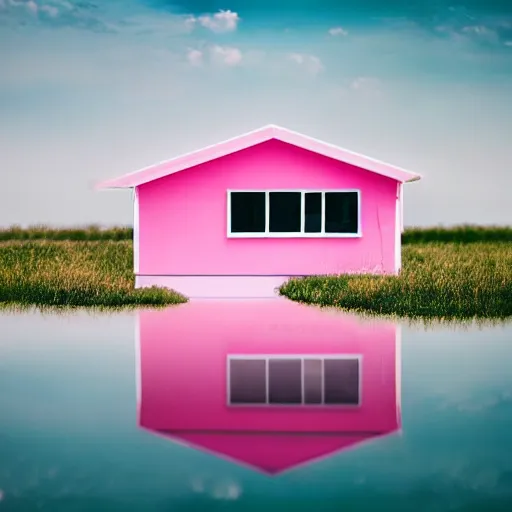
{"points": [[250, 139]]}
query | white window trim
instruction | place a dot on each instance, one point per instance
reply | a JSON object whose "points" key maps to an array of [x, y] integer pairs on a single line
{"points": [[302, 234], [302, 357]]}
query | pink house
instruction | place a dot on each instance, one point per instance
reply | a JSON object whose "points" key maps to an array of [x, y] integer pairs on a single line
{"points": [[268, 383], [240, 217]]}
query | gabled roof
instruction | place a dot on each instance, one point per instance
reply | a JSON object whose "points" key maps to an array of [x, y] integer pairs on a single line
{"points": [[249, 139], [272, 453]]}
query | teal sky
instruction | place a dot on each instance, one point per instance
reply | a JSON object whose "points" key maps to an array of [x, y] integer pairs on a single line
{"points": [[90, 90]]}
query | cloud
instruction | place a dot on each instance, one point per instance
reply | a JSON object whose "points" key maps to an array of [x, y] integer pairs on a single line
{"points": [[222, 21], [508, 43], [226, 55], [59, 13], [311, 63], [32, 7], [216, 55], [478, 401], [477, 29], [488, 31], [195, 57], [366, 84], [228, 490], [337, 31], [50, 10], [481, 32]]}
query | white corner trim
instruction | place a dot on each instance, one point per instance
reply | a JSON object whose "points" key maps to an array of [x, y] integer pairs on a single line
{"points": [[398, 369], [138, 369], [401, 207], [136, 230], [398, 237]]}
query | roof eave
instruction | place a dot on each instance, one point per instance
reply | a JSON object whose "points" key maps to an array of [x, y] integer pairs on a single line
{"points": [[271, 131]]}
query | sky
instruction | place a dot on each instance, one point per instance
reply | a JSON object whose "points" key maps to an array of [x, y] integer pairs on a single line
{"points": [[90, 90]]}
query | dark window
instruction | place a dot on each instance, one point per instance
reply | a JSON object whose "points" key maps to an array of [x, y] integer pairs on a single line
{"points": [[284, 381], [313, 209], [312, 381], [247, 212], [341, 212], [341, 381], [285, 212], [247, 379]]}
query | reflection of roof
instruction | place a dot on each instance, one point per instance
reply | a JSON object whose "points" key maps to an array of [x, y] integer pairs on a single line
{"points": [[253, 138], [271, 453], [184, 380]]}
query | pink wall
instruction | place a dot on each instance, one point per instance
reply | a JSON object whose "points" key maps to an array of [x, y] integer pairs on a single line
{"points": [[183, 366], [183, 217], [182, 355]]}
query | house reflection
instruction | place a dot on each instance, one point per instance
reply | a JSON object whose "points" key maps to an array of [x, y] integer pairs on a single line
{"points": [[267, 383]]}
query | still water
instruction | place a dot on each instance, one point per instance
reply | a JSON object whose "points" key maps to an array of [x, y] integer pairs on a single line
{"points": [[252, 405]]}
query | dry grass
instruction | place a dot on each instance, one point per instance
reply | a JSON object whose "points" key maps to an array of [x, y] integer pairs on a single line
{"points": [[51, 273], [85, 233], [438, 280], [463, 234], [458, 234]]}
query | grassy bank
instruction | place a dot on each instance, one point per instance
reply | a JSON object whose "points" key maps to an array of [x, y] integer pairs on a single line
{"points": [[437, 280], [412, 235], [461, 274], [55, 273]]}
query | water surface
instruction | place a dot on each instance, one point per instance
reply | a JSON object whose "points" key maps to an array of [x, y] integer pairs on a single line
{"points": [[143, 411]]}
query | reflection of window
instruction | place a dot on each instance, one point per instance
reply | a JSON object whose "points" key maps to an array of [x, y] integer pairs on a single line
{"points": [[294, 380], [293, 213]]}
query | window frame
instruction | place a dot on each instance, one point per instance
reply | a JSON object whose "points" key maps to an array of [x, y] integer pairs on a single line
{"points": [[302, 233], [302, 357]]}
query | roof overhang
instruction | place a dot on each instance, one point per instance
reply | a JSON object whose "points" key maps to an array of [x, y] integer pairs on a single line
{"points": [[247, 140]]}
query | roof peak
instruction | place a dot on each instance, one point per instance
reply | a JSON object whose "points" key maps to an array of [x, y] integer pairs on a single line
{"points": [[248, 139]]}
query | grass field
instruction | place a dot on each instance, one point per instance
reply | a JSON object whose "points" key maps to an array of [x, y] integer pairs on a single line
{"points": [[412, 235], [445, 280], [55, 273], [460, 272]]}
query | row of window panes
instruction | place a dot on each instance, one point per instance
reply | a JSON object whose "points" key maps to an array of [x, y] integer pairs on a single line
{"points": [[248, 212], [294, 381]]}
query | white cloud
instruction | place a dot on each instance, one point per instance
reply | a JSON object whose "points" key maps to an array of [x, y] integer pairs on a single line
{"points": [[309, 62], [222, 21], [337, 31], [36, 8], [50, 10], [190, 22], [482, 33], [226, 55], [32, 6], [197, 485], [366, 84], [228, 490], [508, 43], [479, 30], [216, 55], [195, 57]]}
